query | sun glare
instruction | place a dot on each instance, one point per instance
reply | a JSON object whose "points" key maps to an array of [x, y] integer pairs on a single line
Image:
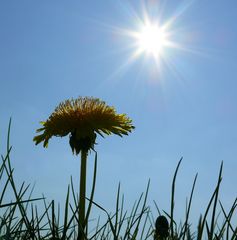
{"points": [[154, 38], [151, 39]]}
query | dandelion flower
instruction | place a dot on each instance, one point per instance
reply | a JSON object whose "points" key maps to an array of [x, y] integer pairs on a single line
{"points": [[83, 118]]}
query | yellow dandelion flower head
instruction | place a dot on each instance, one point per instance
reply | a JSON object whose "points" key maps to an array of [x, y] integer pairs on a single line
{"points": [[83, 118]]}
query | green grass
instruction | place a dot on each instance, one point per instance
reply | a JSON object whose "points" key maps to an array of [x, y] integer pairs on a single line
{"points": [[21, 219]]}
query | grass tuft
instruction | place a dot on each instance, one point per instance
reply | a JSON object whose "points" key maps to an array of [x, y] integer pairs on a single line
{"points": [[21, 219]]}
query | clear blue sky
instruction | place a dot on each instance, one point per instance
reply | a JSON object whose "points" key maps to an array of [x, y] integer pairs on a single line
{"points": [[186, 106]]}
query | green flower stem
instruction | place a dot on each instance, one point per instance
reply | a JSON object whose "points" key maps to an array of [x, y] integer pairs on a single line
{"points": [[82, 193]]}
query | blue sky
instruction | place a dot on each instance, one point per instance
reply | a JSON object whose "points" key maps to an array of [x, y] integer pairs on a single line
{"points": [[54, 50]]}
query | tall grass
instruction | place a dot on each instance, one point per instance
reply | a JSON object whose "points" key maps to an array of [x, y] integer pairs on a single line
{"points": [[20, 218]]}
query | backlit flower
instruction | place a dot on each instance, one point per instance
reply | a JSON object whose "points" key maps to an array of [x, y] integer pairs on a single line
{"points": [[83, 118], [162, 228]]}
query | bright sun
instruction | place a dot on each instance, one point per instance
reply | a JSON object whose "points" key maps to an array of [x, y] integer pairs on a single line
{"points": [[151, 39], [154, 39]]}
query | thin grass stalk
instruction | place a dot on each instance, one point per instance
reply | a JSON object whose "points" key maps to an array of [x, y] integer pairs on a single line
{"points": [[157, 208], [109, 218], [150, 230], [21, 208], [73, 218], [37, 223], [203, 221], [215, 203], [228, 217], [92, 193], [117, 210], [75, 198], [229, 225], [189, 207], [53, 221], [98, 230], [172, 200], [97, 226], [47, 215], [122, 216], [19, 202], [8, 141], [4, 160], [132, 217], [18, 196], [234, 236], [65, 228], [144, 205], [33, 220], [3, 167], [9, 218], [58, 217], [144, 225]]}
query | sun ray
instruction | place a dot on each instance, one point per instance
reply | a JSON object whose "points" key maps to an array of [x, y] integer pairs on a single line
{"points": [[152, 37]]}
